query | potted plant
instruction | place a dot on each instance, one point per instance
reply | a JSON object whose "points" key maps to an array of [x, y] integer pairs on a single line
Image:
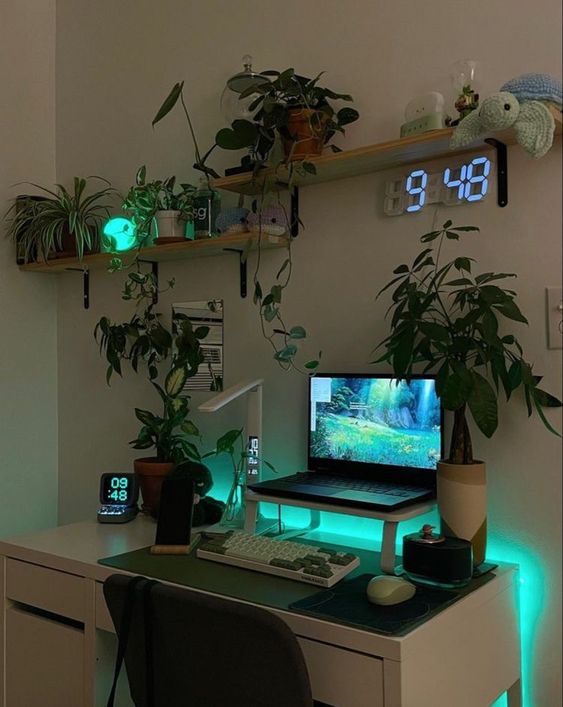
{"points": [[158, 202], [447, 319], [173, 355], [59, 224], [294, 107]]}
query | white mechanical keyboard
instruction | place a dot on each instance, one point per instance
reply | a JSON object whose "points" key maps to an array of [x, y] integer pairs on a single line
{"points": [[305, 563]]}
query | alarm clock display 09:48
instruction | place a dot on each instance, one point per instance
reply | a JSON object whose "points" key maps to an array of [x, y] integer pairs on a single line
{"points": [[466, 182], [118, 489]]}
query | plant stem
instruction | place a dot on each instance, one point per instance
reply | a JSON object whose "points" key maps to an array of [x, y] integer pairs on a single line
{"points": [[197, 153], [461, 449]]}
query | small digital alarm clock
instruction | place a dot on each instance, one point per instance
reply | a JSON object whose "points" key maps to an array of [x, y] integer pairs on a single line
{"points": [[119, 493]]}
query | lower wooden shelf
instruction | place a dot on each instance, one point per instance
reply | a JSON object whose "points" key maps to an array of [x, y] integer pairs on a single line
{"points": [[160, 253]]}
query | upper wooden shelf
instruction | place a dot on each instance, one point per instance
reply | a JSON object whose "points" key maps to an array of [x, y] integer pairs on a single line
{"points": [[363, 160], [161, 253]]}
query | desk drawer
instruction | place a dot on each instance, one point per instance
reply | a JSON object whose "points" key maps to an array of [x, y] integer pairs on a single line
{"points": [[58, 592], [343, 678]]}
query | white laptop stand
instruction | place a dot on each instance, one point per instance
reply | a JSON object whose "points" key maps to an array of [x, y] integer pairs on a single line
{"points": [[391, 520]]}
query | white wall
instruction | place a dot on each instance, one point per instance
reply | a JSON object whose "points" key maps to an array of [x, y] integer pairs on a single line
{"points": [[115, 63], [28, 307]]}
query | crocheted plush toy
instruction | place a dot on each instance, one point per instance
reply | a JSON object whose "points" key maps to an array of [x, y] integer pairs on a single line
{"points": [[521, 105], [233, 220], [271, 220]]}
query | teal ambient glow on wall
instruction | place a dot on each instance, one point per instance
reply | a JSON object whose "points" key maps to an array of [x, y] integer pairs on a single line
{"points": [[119, 234]]}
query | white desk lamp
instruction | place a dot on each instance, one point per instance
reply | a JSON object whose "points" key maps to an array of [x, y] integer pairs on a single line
{"points": [[253, 426]]}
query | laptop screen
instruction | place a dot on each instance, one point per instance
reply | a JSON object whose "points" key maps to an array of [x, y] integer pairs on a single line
{"points": [[374, 420]]}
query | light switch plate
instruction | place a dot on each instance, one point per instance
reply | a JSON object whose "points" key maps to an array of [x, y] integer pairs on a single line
{"points": [[554, 303]]}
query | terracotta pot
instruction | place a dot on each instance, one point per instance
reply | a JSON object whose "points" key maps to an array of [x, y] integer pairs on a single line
{"points": [[169, 227], [151, 473], [308, 128], [462, 504]]}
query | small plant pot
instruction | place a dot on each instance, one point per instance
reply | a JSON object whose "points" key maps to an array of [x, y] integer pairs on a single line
{"points": [[308, 129], [68, 248], [151, 473], [170, 227], [462, 504]]}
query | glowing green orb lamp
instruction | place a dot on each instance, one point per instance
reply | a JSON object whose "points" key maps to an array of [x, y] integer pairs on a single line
{"points": [[119, 234]]}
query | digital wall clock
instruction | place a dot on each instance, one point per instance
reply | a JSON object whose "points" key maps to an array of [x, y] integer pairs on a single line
{"points": [[466, 182], [119, 494]]}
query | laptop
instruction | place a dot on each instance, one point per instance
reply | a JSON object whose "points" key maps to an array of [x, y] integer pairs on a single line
{"points": [[373, 443]]}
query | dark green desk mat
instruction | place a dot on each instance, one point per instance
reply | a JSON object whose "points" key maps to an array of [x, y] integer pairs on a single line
{"points": [[234, 582], [265, 589]]}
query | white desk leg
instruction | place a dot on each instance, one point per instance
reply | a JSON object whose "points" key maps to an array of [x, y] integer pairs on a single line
{"points": [[514, 695], [315, 521], [250, 516], [388, 546]]}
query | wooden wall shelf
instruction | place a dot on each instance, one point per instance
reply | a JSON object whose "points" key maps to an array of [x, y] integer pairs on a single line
{"points": [[161, 253], [364, 160]]}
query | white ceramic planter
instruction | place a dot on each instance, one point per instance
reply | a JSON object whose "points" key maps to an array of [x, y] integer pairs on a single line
{"points": [[169, 225], [462, 504]]}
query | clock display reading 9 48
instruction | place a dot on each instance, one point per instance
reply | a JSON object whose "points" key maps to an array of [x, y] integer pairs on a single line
{"points": [[117, 489], [467, 182]]}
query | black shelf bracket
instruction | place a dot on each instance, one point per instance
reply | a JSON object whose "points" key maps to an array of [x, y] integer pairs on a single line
{"points": [[243, 270], [154, 270], [502, 170], [294, 213], [85, 285]]}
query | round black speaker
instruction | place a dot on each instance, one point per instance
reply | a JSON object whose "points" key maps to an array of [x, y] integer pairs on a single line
{"points": [[441, 561]]}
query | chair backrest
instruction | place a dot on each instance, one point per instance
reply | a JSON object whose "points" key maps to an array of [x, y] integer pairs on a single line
{"points": [[205, 651]]}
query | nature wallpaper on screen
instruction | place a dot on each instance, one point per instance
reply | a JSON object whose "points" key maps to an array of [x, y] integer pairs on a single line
{"points": [[376, 420]]}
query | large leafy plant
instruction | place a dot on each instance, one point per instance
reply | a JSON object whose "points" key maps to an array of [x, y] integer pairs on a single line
{"points": [[450, 321], [38, 225], [173, 355]]}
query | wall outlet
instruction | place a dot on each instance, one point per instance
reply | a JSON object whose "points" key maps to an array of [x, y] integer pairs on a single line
{"points": [[554, 304]]}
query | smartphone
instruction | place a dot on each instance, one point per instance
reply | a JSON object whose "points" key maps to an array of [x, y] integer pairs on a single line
{"points": [[175, 512]]}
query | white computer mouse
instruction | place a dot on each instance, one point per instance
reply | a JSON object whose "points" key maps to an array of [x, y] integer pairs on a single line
{"points": [[386, 590]]}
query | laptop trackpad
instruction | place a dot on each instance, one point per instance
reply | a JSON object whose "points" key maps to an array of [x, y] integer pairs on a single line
{"points": [[347, 494], [362, 496]]}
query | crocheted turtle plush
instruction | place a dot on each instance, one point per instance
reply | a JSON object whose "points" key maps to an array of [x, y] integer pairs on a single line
{"points": [[522, 104]]}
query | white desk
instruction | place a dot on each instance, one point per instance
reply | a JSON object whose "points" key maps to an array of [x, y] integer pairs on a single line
{"points": [[465, 656]]}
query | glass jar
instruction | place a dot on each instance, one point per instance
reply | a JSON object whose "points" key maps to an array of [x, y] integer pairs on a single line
{"points": [[206, 207]]}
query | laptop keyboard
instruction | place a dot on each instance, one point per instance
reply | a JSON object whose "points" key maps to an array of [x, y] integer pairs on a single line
{"points": [[374, 487]]}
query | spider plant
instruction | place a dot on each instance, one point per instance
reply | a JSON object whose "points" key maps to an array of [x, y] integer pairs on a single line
{"points": [[59, 221]]}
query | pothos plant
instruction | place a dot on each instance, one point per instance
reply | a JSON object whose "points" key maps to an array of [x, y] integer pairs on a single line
{"points": [[274, 102], [283, 339], [449, 320], [169, 357], [144, 199]]}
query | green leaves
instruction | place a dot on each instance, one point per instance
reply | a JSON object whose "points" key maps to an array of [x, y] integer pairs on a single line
{"points": [[287, 353], [169, 102], [175, 381], [241, 134], [456, 326], [483, 404], [297, 332], [226, 442]]}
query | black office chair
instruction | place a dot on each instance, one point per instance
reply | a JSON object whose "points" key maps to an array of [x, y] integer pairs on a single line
{"points": [[188, 649]]}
